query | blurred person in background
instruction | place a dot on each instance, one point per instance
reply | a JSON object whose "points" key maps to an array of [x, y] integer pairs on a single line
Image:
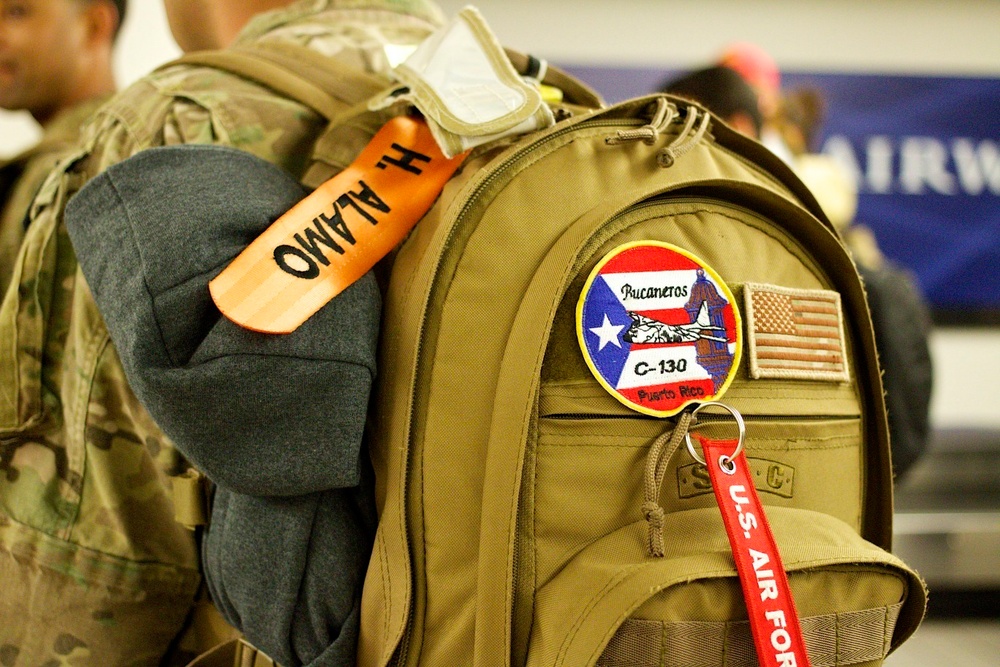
{"points": [[760, 71], [751, 103], [56, 64], [723, 92], [900, 314]]}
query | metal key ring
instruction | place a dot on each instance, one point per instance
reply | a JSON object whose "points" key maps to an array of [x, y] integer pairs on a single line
{"points": [[739, 443]]}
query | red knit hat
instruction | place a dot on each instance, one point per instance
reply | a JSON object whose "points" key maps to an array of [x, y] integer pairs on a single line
{"points": [[754, 64]]}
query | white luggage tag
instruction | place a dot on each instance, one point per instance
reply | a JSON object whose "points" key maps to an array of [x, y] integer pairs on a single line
{"points": [[462, 81]]}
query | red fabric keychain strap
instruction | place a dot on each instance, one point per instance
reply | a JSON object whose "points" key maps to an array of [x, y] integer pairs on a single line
{"points": [[773, 619]]}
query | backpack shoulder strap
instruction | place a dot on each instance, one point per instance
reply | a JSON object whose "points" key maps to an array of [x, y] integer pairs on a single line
{"points": [[320, 82], [336, 91], [340, 93], [310, 77]]}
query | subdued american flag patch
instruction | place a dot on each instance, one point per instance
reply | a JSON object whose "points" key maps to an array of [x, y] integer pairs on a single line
{"points": [[795, 334]]}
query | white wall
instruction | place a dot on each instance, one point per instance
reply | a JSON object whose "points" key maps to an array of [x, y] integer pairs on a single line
{"points": [[926, 36], [917, 36], [957, 37]]}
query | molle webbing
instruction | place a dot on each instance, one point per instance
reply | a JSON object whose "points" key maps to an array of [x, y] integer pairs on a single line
{"points": [[191, 499], [832, 640]]}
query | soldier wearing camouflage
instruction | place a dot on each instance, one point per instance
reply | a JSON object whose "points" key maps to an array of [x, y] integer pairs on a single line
{"points": [[95, 569], [57, 68]]}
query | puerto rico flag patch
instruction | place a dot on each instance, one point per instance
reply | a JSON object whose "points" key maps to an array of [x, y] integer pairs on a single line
{"points": [[659, 328]]}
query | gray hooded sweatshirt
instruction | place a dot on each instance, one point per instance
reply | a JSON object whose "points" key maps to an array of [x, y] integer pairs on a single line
{"points": [[275, 421]]}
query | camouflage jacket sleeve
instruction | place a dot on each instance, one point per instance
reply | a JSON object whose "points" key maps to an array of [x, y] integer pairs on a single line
{"points": [[85, 511], [86, 514], [85, 506], [23, 175]]}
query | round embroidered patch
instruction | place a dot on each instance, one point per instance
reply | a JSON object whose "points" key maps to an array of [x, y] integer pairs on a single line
{"points": [[659, 328]]}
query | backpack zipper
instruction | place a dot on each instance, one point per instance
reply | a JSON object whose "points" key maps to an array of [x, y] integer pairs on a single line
{"points": [[706, 418]]}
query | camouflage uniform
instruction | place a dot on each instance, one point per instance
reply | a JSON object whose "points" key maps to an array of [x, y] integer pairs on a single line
{"points": [[95, 571], [22, 175]]}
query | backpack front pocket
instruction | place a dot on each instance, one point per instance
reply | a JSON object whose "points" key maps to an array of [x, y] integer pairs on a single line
{"points": [[600, 598], [612, 605], [588, 471]]}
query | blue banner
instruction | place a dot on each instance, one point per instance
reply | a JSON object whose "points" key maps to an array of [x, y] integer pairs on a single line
{"points": [[925, 153]]}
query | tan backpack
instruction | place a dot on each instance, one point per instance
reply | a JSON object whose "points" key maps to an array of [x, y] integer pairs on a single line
{"points": [[514, 488], [529, 515]]}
